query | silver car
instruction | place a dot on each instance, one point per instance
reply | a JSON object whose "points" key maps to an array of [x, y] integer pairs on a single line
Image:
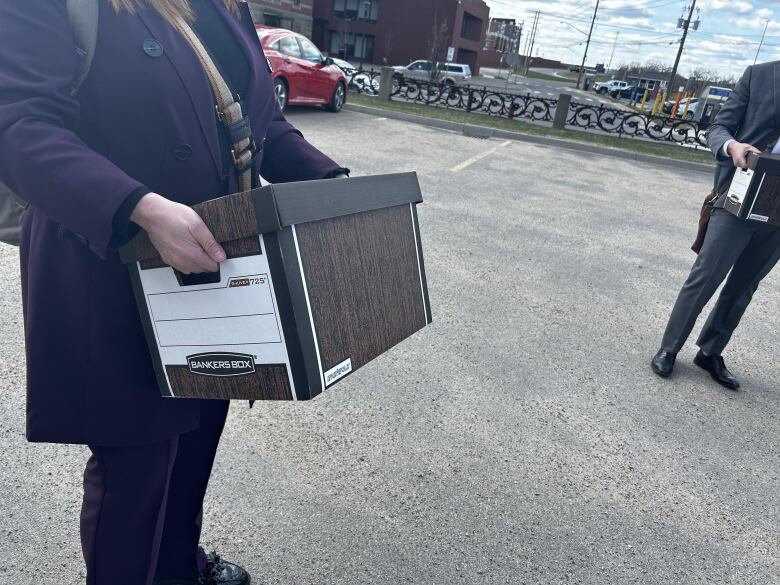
{"points": [[448, 73]]}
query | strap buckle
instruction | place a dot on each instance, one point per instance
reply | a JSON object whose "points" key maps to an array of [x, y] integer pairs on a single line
{"points": [[244, 159]]}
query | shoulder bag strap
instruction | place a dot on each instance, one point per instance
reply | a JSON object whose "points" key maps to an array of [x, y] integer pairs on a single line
{"points": [[83, 16], [229, 110]]}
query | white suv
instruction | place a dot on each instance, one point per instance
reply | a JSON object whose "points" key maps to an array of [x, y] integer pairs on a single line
{"points": [[611, 87]]}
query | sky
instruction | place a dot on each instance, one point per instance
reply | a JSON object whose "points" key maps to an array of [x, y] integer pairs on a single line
{"points": [[646, 30]]}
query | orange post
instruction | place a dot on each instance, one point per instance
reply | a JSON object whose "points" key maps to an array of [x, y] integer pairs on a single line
{"points": [[676, 104]]}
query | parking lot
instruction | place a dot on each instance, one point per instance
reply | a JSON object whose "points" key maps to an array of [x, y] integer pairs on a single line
{"points": [[520, 439]]}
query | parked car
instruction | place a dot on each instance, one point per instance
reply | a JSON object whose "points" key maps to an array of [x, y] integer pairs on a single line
{"points": [[345, 66], [609, 87], [691, 110], [669, 104], [449, 73], [628, 92], [359, 80], [302, 75]]}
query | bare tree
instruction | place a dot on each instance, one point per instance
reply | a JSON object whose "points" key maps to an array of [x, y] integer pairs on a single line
{"points": [[389, 44], [437, 46], [698, 80], [701, 78]]}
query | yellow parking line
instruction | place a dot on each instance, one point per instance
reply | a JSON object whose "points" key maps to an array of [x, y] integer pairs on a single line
{"points": [[467, 163]]}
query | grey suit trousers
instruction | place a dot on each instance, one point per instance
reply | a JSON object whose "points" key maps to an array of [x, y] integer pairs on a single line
{"points": [[749, 249]]}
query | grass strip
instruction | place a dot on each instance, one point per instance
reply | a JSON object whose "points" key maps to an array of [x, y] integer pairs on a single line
{"points": [[521, 127], [545, 76]]}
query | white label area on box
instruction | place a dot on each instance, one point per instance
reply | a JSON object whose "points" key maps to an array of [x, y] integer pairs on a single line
{"points": [[236, 316], [740, 184], [338, 372]]}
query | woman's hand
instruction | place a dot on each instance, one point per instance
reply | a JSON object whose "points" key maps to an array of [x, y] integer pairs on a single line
{"points": [[179, 234]]}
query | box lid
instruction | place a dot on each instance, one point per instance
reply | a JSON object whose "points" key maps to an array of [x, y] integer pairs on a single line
{"points": [[274, 207], [766, 162]]}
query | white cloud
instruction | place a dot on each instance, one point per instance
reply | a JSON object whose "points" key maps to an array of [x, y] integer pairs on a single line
{"points": [[738, 6], [757, 24], [641, 22], [764, 13]]}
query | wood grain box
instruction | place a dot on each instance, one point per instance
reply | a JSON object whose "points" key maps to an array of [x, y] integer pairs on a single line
{"points": [[321, 278], [754, 193]]}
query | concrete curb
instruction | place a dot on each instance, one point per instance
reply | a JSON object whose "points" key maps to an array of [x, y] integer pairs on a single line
{"points": [[487, 132]]}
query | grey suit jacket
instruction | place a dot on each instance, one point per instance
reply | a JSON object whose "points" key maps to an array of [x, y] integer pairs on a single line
{"points": [[750, 115]]}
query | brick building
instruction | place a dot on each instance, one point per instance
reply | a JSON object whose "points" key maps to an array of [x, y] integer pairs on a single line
{"points": [[502, 38], [400, 31], [294, 15]]}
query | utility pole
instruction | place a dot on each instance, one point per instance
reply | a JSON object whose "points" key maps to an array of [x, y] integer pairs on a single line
{"points": [[609, 67], [587, 44], [533, 41], [761, 44], [530, 43], [684, 24], [525, 48]]}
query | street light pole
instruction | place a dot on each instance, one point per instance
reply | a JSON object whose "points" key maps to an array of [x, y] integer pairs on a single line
{"points": [[761, 44], [587, 44]]}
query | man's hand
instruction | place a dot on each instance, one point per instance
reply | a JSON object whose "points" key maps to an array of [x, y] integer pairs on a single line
{"points": [[738, 151], [179, 235]]}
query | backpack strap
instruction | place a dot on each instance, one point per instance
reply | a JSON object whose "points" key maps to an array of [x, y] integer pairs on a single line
{"points": [[83, 15]]}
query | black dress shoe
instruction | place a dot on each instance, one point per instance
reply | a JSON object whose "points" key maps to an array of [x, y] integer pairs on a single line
{"points": [[663, 363], [717, 368], [220, 572]]}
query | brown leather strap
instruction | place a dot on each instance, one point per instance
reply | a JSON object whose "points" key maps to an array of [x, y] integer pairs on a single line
{"points": [[229, 110]]}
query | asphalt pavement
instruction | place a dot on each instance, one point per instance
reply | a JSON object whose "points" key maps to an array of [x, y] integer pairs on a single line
{"points": [[520, 439], [541, 88]]}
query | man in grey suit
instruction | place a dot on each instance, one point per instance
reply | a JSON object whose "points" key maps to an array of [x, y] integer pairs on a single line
{"points": [[749, 122]]}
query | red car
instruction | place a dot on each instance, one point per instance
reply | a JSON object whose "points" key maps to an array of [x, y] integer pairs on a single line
{"points": [[302, 75]]}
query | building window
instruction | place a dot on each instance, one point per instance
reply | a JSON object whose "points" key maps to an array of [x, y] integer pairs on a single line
{"points": [[272, 20], [366, 10], [352, 46], [472, 27]]}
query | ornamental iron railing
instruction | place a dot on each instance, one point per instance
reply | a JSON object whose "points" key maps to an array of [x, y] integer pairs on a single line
{"points": [[494, 102]]}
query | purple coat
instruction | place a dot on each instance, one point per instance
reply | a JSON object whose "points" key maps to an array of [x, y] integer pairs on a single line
{"points": [[89, 374]]}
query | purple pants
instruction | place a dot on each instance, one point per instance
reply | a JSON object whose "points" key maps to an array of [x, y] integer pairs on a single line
{"points": [[142, 510]]}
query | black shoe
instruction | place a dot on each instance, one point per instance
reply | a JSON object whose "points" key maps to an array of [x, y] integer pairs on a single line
{"points": [[663, 363], [717, 368], [220, 572]]}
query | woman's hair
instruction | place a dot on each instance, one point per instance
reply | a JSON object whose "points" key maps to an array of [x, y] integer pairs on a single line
{"points": [[169, 9]]}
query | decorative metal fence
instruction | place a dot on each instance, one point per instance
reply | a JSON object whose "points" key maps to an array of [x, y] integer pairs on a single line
{"points": [[494, 102]]}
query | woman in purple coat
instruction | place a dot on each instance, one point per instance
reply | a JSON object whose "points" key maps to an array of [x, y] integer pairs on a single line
{"points": [[137, 145]]}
